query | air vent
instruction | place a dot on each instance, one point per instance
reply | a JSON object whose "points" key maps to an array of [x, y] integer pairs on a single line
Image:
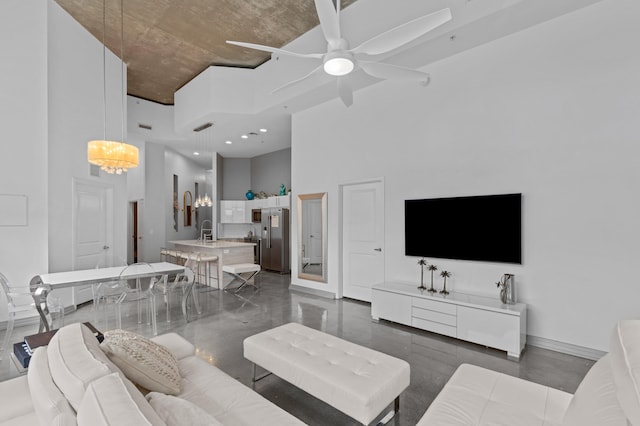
{"points": [[144, 126], [94, 170], [204, 126]]}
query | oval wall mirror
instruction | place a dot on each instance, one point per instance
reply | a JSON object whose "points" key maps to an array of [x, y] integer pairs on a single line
{"points": [[312, 236]]}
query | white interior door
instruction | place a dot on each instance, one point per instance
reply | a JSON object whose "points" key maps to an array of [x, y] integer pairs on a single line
{"points": [[362, 238], [92, 231]]}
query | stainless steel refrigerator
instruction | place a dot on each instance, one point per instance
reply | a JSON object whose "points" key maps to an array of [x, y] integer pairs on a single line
{"points": [[275, 240]]}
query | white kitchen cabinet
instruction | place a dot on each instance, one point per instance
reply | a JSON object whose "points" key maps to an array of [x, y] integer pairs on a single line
{"points": [[257, 203], [477, 319], [226, 211], [238, 212], [280, 201], [232, 211]]}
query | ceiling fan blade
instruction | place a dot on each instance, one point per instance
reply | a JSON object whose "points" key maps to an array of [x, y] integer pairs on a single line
{"points": [[393, 72], [276, 50], [329, 23], [291, 83], [344, 91], [404, 33]]}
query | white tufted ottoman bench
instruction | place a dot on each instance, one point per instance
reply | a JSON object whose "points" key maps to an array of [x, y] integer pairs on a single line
{"points": [[237, 269], [356, 380]]}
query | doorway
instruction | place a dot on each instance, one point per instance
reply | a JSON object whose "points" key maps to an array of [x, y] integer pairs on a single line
{"points": [[363, 256], [93, 230], [134, 244]]}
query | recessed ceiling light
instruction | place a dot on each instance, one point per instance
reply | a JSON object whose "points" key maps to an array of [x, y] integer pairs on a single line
{"points": [[263, 130], [196, 153], [228, 142], [244, 136]]}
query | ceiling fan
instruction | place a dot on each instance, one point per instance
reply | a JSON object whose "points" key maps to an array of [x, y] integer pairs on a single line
{"points": [[340, 60]]}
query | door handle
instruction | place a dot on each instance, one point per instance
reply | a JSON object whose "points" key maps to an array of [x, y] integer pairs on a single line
{"points": [[105, 247], [377, 249]]}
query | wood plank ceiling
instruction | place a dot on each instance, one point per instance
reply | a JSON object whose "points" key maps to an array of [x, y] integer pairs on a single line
{"points": [[167, 43]]}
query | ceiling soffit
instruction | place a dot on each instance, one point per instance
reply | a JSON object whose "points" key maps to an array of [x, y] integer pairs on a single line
{"points": [[167, 43]]}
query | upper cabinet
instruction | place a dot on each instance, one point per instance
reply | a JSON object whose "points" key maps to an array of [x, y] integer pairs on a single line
{"points": [[280, 201], [239, 211], [257, 203], [232, 211]]}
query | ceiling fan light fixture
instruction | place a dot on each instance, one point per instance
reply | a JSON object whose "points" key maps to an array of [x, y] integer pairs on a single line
{"points": [[338, 63]]}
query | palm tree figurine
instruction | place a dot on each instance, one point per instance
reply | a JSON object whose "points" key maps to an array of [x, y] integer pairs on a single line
{"points": [[422, 264], [432, 268], [445, 275]]}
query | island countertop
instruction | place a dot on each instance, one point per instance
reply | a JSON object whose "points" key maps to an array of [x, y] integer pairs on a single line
{"points": [[227, 253], [219, 244]]}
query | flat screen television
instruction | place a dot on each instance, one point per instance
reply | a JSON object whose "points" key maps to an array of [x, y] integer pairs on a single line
{"points": [[485, 228]]}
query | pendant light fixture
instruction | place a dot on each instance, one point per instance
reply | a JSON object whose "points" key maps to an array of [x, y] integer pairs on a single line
{"points": [[203, 201], [112, 156]]}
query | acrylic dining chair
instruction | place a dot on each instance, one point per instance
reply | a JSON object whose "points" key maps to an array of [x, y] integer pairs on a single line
{"points": [[185, 283], [139, 290], [20, 301]]}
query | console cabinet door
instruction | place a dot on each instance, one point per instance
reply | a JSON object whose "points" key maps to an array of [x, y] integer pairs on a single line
{"points": [[391, 306], [493, 329]]}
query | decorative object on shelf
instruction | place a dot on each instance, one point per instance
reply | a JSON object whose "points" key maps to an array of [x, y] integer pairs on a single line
{"points": [[507, 289], [283, 189], [422, 264], [250, 195], [202, 202], [112, 156], [445, 275], [432, 268], [262, 195]]}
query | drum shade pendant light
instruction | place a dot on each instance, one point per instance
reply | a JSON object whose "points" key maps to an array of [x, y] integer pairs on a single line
{"points": [[112, 156]]}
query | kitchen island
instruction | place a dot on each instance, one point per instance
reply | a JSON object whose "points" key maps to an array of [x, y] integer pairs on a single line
{"points": [[228, 252]]}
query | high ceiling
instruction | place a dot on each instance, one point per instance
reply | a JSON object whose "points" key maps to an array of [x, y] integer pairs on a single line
{"points": [[168, 42]]}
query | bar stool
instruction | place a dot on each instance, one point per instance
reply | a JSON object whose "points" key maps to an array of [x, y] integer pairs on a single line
{"points": [[170, 255], [236, 271], [206, 260]]}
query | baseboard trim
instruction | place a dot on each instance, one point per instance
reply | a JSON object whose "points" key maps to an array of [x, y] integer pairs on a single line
{"points": [[565, 348], [21, 322], [34, 320], [315, 292]]}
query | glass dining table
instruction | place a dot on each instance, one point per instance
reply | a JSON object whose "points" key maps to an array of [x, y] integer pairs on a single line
{"points": [[41, 285]]}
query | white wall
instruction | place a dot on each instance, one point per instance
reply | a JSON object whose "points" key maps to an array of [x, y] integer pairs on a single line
{"points": [[156, 198], [550, 112], [52, 105], [23, 119], [188, 174], [76, 116]]}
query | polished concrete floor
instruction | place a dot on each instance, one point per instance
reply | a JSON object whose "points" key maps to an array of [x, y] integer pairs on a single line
{"points": [[227, 319]]}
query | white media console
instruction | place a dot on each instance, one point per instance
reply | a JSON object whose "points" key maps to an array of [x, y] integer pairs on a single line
{"points": [[483, 320]]}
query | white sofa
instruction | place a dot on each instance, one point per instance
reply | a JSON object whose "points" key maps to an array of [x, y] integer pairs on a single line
{"points": [[609, 395], [72, 381]]}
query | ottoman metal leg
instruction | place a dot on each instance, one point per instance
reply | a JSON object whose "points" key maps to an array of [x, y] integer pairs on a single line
{"points": [[392, 413], [254, 378], [244, 281]]}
